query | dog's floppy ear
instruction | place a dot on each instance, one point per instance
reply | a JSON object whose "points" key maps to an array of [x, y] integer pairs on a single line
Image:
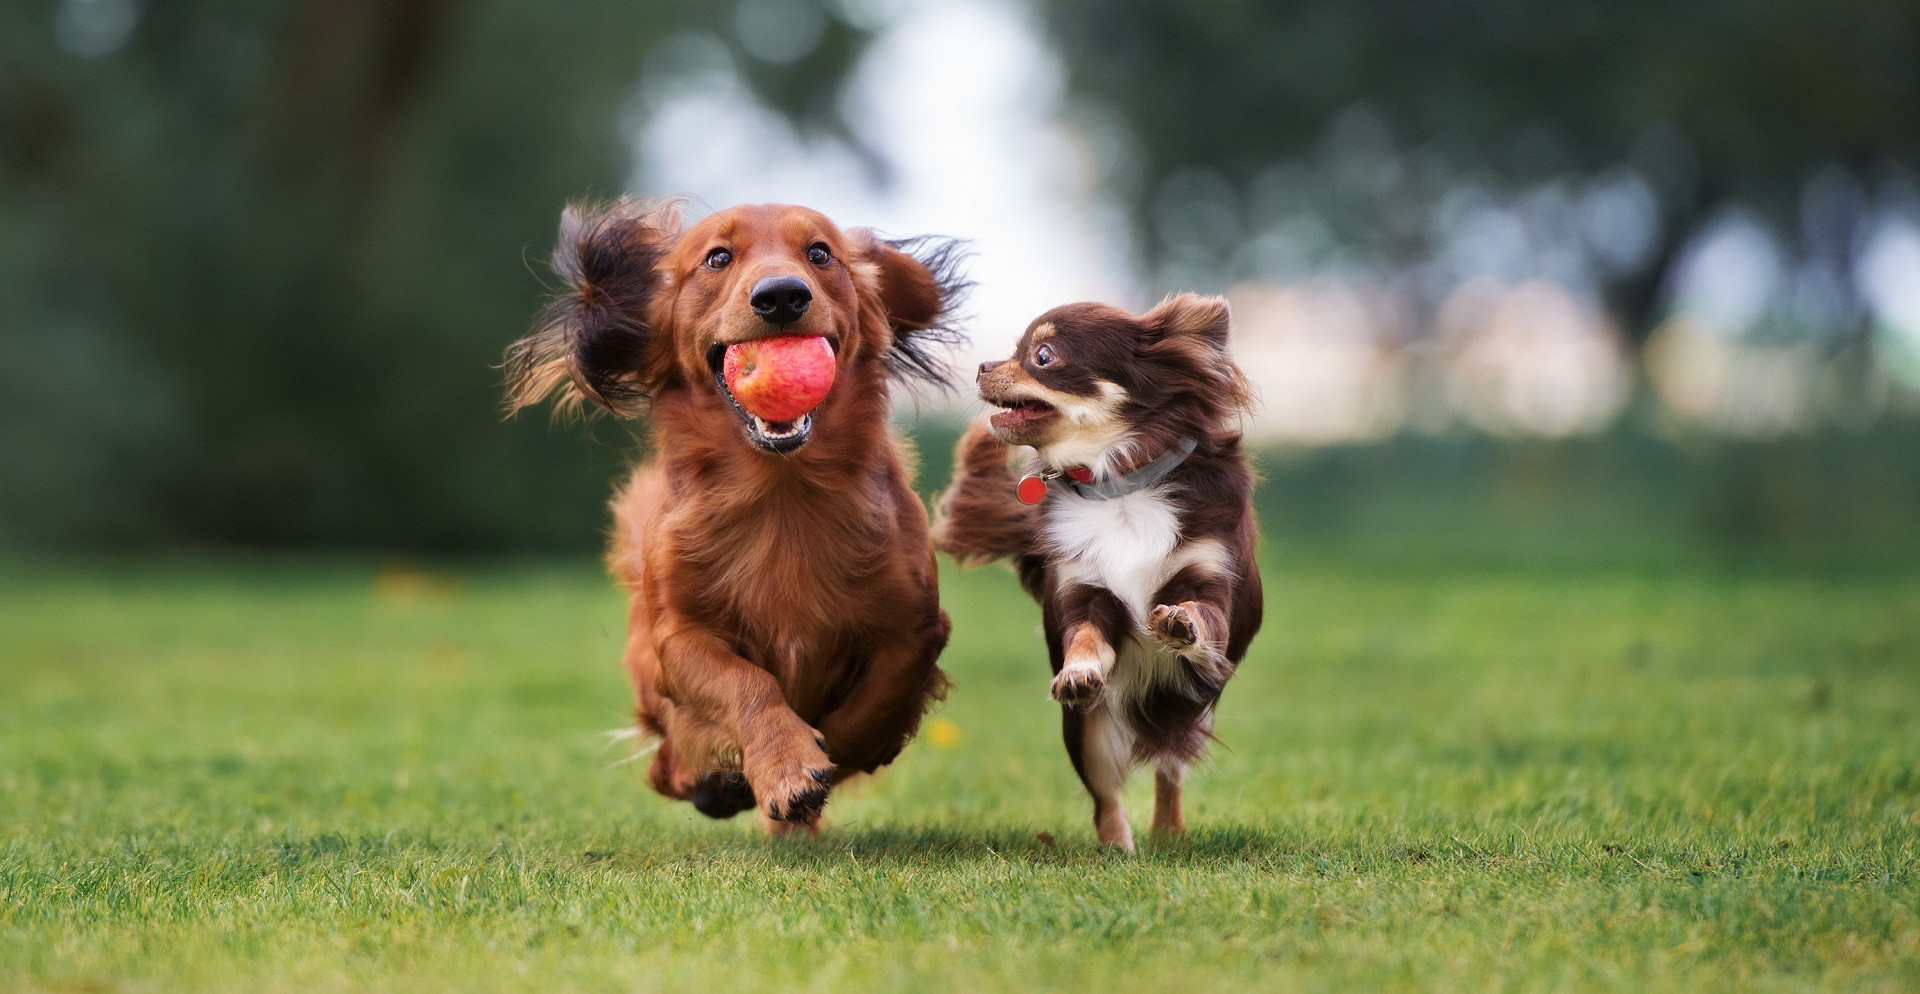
{"points": [[917, 282], [594, 343], [1190, 314]]}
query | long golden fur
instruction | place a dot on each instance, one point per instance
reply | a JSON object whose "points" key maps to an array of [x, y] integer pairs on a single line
{"points": [[784, 615]]}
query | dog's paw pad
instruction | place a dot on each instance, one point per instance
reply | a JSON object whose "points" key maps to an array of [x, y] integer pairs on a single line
{"points": [[800, 794], [1174, 626], [802, 808], [1078, 686]]}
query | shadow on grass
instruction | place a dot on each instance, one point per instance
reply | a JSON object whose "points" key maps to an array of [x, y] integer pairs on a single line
{"points": [[908, 846], [1304, 851]]}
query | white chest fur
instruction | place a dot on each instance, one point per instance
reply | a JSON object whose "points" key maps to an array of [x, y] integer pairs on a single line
{"points": [[1125, 545]]}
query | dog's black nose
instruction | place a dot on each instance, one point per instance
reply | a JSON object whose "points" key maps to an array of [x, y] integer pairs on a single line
{"points": [[781, 299]]}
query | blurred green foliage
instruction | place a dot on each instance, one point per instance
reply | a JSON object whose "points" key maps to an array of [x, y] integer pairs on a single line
{"points": [[258, 262], [1644, 496], [1838, 503], [1709, 102], [261, 260]]}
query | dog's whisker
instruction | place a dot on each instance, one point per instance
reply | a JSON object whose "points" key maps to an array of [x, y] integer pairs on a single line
{"points": [[615, 736], [637, 754]]}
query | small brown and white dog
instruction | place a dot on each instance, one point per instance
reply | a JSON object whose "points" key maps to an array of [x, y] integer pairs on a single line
{"points": [[1133, 527]]}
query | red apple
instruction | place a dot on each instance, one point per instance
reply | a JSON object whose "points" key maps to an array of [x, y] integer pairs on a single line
{"points": [[779, 379]]}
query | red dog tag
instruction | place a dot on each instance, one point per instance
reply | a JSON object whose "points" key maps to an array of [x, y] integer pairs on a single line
{"points": [[1032, 490]]}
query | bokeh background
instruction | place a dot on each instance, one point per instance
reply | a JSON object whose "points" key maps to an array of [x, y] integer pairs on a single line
{"points": [[1627, 281], [1588, 337]]}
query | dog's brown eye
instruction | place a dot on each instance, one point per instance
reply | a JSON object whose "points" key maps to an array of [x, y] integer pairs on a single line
{"points": [[718, 259], [818, 255], [1043, 355]]}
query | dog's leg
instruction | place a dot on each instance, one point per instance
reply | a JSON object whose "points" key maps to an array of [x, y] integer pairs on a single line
{"points": [[784, 759], [1167, 816], [1101, 750], [1092, 623], [705, 765], [1189, 618], [869, 728]]}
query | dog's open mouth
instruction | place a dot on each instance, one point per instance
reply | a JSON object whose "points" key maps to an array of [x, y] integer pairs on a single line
{"points": [[1017, 413], [773, 436]]}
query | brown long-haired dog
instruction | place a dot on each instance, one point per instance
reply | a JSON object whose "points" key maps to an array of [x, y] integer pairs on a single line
{"points": [[1134, 529], [784, 619]]}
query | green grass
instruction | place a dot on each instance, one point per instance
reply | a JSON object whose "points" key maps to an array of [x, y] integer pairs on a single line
{"points": [[261, 777]]}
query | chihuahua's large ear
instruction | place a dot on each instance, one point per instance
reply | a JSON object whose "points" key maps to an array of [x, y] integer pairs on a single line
{"points": [[593, 343], [1194, 316], [1196, 332], [920, 287]]}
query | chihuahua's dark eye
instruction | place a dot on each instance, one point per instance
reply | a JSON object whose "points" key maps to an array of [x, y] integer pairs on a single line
{"points": [[1043, 355], [718, 258], [818, 255]]}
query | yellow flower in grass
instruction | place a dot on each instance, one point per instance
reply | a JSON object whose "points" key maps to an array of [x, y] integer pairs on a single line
{"points": [[942, 733]]}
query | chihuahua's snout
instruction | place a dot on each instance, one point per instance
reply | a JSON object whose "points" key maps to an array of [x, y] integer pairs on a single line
{"points": [[986, 369], [780, 299]]}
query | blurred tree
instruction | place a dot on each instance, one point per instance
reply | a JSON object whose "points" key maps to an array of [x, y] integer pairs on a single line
{"points": [[261, 258], [1233, 116]]}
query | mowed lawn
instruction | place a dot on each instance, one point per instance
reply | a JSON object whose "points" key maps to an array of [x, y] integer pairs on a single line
{"points": [[328, 777]]}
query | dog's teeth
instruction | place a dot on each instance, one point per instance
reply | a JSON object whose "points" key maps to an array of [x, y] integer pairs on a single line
{"points": [[792, 428]]}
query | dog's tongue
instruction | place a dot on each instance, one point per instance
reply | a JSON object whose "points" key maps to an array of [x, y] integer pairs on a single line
{"points": [[1013, 416], [780, 379]]}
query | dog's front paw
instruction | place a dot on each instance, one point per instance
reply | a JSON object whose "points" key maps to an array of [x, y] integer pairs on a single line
{"points": [[801, 795], [1174, 626], [1078, 686], [721, 794], [792, 786]]}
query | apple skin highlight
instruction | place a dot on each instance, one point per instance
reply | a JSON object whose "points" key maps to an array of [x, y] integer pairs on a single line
{"points": [[780, 378]]}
